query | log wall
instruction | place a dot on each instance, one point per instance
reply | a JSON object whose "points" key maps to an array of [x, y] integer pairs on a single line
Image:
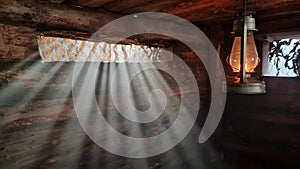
{"points": [[18, 42], [262, 131], [39, 127]]}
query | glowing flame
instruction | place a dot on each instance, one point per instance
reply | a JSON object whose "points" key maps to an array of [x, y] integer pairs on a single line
{"points": [[252, 59]]}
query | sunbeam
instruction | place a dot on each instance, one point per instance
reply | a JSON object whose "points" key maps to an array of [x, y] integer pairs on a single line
{"points": [[7, 92], [152, 84], [35, 111]]}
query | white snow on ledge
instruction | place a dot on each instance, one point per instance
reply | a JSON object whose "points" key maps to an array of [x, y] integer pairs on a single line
{"points": [[55, 49]]}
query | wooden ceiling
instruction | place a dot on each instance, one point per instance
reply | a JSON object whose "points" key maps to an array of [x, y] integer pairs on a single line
{"points": [[81, 18], [194, 10]]}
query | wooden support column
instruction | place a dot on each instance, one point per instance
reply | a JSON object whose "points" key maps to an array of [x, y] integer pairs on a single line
{"points": [[217, 39]]}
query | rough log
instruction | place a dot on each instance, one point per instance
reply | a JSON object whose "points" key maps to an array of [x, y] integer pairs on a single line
{"points": [[92, 3], [120, 5], [161, 5], [199, 10], [284, 26], [17, 42], [82, 22], [224, 10], [56, 18], [38, 14]]}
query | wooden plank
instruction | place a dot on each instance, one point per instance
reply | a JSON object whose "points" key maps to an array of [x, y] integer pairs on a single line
{"points": [[270, 116], [215, 11], [245, 155], [62, 142], [120, 5], [266, 132], [92, 3], [262, 130], [206, 10], [279, 27], [158, 5], [57, 1], [287, 103], [281, 97]]}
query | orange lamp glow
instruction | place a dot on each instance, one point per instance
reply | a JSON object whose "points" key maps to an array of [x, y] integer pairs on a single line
{"points": [[252, 59]]}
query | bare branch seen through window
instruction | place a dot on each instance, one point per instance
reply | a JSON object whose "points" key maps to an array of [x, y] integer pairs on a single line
{"points": [[284, 55]]}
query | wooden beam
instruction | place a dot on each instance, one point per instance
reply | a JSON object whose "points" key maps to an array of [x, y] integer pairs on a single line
{"points": [[34, 14], [17, 42], [284, 26], [120, 5], [206, 10], [57, 1], [225, 10], [92, 3], [57, 18], [82, 22], [160, 5]]}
